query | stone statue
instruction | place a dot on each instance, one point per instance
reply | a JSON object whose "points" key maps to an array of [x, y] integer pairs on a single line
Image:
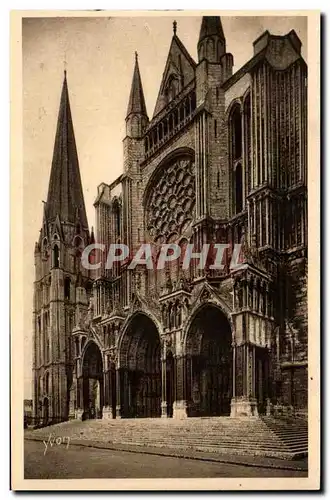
{"points": [[90, 314], [250, 252], [168, 282]]}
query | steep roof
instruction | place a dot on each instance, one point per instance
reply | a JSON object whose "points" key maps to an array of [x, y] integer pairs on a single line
{"points": [[211, 25], [179, 64]]}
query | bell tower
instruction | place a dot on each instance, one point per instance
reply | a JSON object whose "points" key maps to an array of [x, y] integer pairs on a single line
{"points": [[137, 122], [213, 69], [58, 272]]}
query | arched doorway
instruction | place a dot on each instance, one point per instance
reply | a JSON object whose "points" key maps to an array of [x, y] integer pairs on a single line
{"points": [[209, 363], [92, 382], [140, 369]]}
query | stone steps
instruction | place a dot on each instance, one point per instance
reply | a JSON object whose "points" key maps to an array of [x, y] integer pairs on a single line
{"points": [[292, 433], [252, 436]]}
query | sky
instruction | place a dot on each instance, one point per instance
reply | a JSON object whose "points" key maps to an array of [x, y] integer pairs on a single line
{"points": [[98, 54]]}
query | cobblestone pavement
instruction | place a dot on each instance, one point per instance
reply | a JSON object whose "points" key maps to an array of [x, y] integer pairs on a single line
{"points": [[77, 462]]}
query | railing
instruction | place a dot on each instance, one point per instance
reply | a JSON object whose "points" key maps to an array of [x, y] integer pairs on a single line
{"points": [[172, 122]]}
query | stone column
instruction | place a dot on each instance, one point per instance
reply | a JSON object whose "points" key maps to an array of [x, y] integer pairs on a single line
{"points": [[107, 409], [268, 384], [234, 370], [243, 159], [111, 389], [180, 405], [193, 389], [98, 399], [243, 401], [73, 399], [164, 402], [80, 398], [119, 382], [267, 300]]}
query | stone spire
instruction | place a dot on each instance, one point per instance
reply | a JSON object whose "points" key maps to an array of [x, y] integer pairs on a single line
{"points": [[136, 116], [65, 195], [211, 25], [136, 104], [212, 43]]}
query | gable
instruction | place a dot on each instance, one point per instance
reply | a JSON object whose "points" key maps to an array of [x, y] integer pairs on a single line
{"points": [[179, 71]]}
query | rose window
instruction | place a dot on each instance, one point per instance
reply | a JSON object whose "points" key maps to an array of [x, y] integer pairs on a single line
{"points": [[171, 204]]}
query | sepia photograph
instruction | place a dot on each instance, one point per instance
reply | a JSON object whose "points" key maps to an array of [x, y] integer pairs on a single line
{"points": [[164, 188]]}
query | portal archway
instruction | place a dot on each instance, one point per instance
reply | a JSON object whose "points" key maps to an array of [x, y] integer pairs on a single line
{"points": [[140, 369], [209, 363], [92, 382]]}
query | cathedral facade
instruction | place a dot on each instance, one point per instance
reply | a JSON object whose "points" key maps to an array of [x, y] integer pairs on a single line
{"points": [[223, 160]]}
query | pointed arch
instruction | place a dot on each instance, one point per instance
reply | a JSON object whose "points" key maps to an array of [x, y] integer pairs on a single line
{"points": [[67, 288], [247, 116], [208, 350], [235, 118], [172, 87], [46, 383], [56, 256], [116, 210], [45, 248], [238, 186], [139, 370], [93, 381], [216, 302], [129, 319], [210, 48], [235, 124], [78, 242]]}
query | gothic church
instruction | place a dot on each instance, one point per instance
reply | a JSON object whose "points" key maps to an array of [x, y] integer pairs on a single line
{"points": [[222, 159]]}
